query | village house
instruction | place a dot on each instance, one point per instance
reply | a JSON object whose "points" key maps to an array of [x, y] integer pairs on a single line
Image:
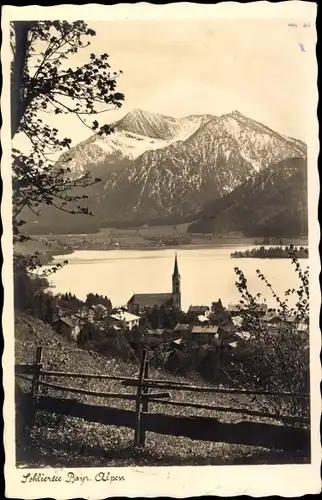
{"points": [[271, 319], [63, 312], [205, 334], [291, 319], [68, 327], [85, 314], [235, 309], [199, 310], [182, 329], [124, 319], [238, 309], [100, 312]]}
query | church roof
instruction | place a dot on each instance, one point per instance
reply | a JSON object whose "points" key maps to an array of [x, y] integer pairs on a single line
{"points": [[151, 299]]}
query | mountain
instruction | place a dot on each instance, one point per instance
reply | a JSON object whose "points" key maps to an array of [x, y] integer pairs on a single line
{"points": [[273, 203], [136, 133], [158, 169], [207, 157]]}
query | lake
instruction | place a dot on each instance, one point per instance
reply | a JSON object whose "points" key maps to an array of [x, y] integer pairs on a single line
{"points": [[207, 274]]}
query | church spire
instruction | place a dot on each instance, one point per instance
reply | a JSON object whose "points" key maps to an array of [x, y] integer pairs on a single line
{"points": [[176, 269], [176, 285]]}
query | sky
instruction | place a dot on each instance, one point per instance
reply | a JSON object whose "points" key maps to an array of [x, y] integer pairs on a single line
{"points": [[181, 67]]}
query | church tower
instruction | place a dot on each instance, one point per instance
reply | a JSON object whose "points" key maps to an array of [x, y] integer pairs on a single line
{"points": [[176, 286]]}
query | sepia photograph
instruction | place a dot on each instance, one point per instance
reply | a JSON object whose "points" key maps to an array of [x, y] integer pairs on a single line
{"points": [[160, 241]]}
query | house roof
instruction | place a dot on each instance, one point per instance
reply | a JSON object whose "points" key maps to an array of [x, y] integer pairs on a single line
{"points": [[198, 309], [178, 341], [158, 331], [62, 311], [270, 316], [100, 307], [235, 307], [242, 307], [291, 319], [150, 299], [124, 316], [67, 321], [205, 329], [181, 327]]}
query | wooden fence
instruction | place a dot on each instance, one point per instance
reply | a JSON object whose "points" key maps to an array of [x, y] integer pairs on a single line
{"points": [[285, 434]]}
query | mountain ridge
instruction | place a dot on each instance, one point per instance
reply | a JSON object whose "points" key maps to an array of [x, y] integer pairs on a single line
{"points": [[157, 167], [273, 203]]}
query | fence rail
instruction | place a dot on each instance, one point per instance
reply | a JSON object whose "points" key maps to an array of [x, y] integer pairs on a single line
{"points": [[142, 420], [157, 383]]}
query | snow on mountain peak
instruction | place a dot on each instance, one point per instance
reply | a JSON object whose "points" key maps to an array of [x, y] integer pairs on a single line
{"points": [[206, 153]]}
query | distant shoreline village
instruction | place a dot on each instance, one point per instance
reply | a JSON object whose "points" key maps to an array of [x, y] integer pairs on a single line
{"points": [[153, 314]]}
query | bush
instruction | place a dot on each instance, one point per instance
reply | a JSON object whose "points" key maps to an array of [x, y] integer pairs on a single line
{"points": [[116, 346], [278, 358]]}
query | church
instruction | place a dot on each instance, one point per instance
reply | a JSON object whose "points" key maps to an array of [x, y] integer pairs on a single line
{"points": [[140, 301]]}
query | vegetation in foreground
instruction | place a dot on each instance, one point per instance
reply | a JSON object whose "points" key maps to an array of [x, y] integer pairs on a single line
{"points": [[60, 441]]}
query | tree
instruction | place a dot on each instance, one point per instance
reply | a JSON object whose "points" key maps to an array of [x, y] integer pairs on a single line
{"points": [[94, 299], [70, 302], [154, 317], [277, 358], [42, 82]]}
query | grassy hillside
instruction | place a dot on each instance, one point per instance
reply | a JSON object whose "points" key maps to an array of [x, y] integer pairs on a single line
{"points": [[60, 441]]}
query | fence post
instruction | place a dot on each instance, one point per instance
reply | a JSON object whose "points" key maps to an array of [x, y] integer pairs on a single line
{"points": [[138, 401], [35, 382], [145, 405]]}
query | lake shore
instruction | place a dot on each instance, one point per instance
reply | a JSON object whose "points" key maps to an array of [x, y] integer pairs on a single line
{"points": [[272, 252], [50, 257], [142, 239]]}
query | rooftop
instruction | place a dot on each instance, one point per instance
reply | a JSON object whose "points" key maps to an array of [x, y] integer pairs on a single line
{"points": [[100, 307], [181, 327], [198, 308], [66, 321], [242, 307], [178, 341], [269, 317], [157, 331], [205, 329], [124, 316]]}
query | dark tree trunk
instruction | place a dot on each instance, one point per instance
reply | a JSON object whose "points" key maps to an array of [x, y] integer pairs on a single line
{"points": [[18, 99]]}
